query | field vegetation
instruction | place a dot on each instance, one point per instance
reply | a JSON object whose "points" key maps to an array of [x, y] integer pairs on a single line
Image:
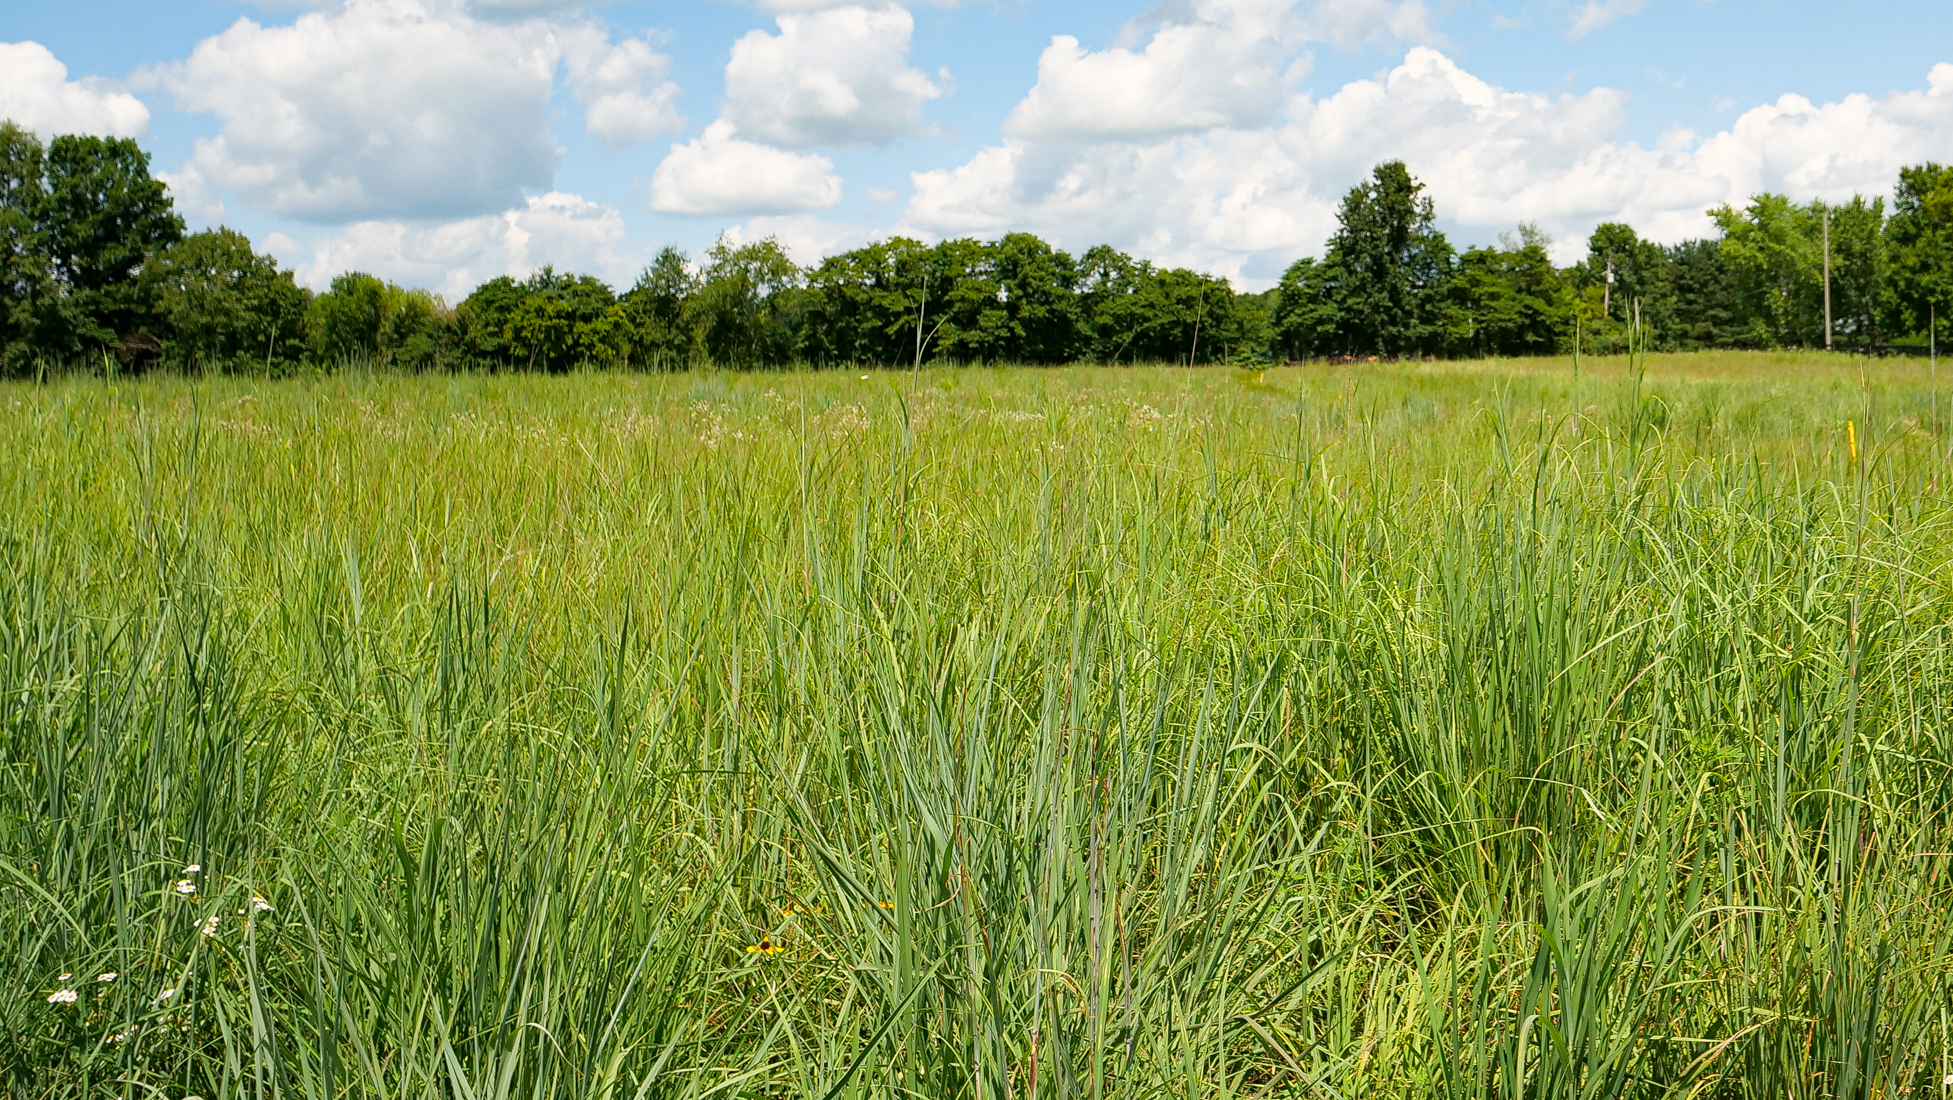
{"points": [[98, 276], [1450, 729]]}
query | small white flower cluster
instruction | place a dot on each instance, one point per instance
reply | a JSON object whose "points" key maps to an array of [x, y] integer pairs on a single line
{"points": [[186, 885], [207, 927], [66, 996]]}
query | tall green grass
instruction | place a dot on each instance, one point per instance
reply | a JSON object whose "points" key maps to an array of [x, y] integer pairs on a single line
{"points": [[1401, 731]]}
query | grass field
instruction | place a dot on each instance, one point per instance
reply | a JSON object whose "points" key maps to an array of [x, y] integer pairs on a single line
{"points": [[1458, 730]]}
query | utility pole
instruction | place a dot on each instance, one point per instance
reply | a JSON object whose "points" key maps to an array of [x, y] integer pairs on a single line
{"points": [[1607, 291], [1827, 278]]}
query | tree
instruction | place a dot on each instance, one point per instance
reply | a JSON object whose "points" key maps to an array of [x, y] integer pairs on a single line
{"points": [[226, 305], [541, 334], [1642, 279], [103, 216], [362, 318], [481, 322], [1774, 249], [564, 321], [1859, 278], [344, 323], [1131, 311], [1305, 321], [864, 305], [1385, 277], [660, 333], [746, 307], [1510, 300], [1705, 298], [1037, 290], [1919, 242], [26, 285]]}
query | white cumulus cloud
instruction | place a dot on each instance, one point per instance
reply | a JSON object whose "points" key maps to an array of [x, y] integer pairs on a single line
{"points": [[1244, 201], [383, 108], [720, 172], [623, 87], [35, 93], [1215, 63], [406, 108], [451, 258], [1205, 64], [839, 76]]}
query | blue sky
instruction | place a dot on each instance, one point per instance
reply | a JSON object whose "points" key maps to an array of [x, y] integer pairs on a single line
{"points": [[441, 142]]}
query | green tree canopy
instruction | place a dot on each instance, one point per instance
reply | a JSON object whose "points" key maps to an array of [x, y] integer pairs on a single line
{"points": [[1774, 249], [1920, 247], [1381, 289], [745, 308], [103, 216], [365, 319], [655, 308], [226, 305], [1509, 300], [26, 286]]}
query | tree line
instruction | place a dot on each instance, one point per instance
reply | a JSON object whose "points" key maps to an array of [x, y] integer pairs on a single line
{"points": [[96, 269]]}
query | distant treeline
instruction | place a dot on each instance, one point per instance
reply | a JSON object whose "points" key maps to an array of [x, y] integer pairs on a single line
{"points": [[96, 269]]}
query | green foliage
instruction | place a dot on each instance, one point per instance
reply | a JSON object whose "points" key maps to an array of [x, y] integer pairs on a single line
{"points": [[226, 306], [660, 332], [27, 294], [1705, 299], [78, 221], [1383, 285], [1774, 248], [103, 216], [82, 223], [365, 319], [1860, 279], [1509, 301], [746, 308], [1920, 241], [564, 321], [1304, 321], [1643, 279], [871, 304]]}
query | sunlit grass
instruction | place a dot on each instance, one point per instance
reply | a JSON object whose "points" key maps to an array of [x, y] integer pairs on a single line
{"points": [[1392, 730]]}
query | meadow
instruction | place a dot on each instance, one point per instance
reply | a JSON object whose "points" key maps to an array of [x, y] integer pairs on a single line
{"points": [[1471, 730]]}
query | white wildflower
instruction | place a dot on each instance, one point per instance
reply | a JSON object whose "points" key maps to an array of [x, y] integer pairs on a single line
{"points": [[185, 887], [193, 868], [166, 994], [208, 925], [107, 976], [64, 976], [62, 997], [260, 904]]}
